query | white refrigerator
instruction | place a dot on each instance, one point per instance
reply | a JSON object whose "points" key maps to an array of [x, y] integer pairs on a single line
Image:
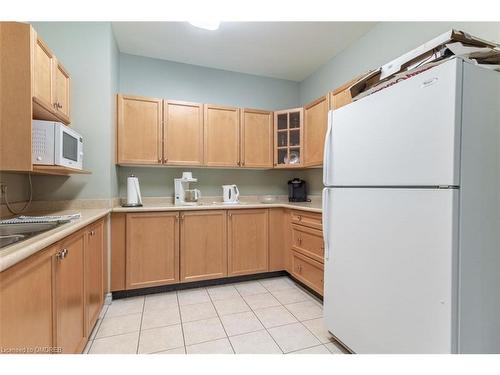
{"points": [[411, 215]]}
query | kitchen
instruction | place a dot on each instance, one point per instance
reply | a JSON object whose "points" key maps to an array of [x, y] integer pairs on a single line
{"points": [[199, 183]]}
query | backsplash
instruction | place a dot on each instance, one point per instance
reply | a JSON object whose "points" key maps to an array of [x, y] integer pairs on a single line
{"points": [[159, 182]]}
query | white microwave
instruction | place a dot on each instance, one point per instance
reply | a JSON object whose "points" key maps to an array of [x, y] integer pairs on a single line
{"points": [[53, 143]]}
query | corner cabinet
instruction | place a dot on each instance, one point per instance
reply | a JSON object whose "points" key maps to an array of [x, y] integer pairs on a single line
{"points": [[256, 138], [222, 136], [288, 136], [49, 302], [139, 130], [38, 87], [315, 125]]}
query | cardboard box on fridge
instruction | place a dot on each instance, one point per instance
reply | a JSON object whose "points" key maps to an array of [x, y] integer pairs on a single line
{"points": [[429, 52]]}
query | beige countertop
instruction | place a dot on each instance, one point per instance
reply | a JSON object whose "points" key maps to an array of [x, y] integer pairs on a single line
{"points": [[15, 253], [167, 206]]}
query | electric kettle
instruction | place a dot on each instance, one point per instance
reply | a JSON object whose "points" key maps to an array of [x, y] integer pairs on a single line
{"points": [[230, 194]]}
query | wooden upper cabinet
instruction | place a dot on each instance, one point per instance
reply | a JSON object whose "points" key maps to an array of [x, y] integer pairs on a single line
{"points": [[43, 74], [182, 133], [139, 130], [315, 125], [94, 283], [69, 294], [152, 249], [203, 245], [221, 136], [248, 242], [256, 138], [26, 308], [62, 92]]}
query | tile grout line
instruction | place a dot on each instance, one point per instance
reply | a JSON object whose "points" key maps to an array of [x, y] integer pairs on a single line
{"points": [[140, 326], [220, 320], [180, 318], [253, 311], [298, 320]]}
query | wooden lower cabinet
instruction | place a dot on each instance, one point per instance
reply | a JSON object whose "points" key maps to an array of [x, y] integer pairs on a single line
{"points": [[94, 283], [203, 245], [308, 241], [277, 244], [69, 294], [307, 271], [152, 253], [248, 241], [50, 301], [26, 308]]}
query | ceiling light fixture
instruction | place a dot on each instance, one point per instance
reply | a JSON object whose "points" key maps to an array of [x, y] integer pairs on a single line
{"points": [[205, 24]]}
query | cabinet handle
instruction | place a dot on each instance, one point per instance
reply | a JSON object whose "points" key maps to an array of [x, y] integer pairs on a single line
{"points": [[230, 214], [159, 160], [299, 217], [299, 240], [62, 254], [92, 232], [59, 105]]}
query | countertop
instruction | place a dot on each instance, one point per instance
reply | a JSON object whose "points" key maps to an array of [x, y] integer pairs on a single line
{"points": [[166, 206], [15, 253]]}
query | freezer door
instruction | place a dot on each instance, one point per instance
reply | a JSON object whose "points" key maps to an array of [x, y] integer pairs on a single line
{"points": [[389, 271], [405, 135]]}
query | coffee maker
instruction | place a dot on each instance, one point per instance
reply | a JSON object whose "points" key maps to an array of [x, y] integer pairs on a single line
{"points": [[185, 195], [297, 190]]}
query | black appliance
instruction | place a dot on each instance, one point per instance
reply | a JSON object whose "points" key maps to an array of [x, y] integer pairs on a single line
{"points": [[297, 190]]}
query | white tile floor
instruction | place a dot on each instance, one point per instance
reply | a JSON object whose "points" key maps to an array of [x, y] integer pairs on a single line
{"points": [[269, 316]]}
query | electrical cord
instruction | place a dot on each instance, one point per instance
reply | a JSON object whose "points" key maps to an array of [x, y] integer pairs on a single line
{"points": [[28, 203]]}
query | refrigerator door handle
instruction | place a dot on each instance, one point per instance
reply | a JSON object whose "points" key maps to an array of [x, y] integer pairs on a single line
{"points": [[327, 151], [325, 214]]}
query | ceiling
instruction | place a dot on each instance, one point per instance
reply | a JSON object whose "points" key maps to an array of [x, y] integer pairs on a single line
{"points": [[288, 50]]}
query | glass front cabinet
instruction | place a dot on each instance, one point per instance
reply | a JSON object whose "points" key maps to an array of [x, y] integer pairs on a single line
{"points": [[288, 135]]}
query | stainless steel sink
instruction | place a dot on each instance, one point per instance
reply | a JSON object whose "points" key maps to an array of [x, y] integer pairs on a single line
{"points": [[12, 233]]}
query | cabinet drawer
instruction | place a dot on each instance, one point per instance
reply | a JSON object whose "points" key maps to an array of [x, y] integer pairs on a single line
{"points": [[308, 271], [307, 219], [308, 241]]}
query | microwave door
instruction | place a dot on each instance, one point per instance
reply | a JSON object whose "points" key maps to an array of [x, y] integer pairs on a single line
{"points": [[69, 149]]}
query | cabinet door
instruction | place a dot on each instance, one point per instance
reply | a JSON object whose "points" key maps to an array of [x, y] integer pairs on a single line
{"points": [[139, 130], [152, 249], [69, 293], [256, 138], [94, 288], [203, 245], [315, 125], [221, 134], [183, 133], [43, 74], [62, 92], [248, 239], [288, 135], [26, 304]]}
